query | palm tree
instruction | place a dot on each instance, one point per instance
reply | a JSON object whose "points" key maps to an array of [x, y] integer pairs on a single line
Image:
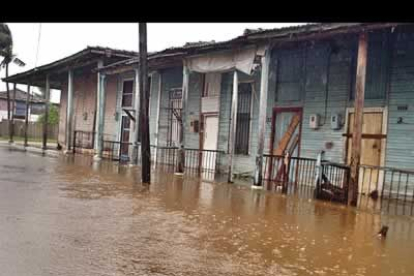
{"points": [[6, 51]]}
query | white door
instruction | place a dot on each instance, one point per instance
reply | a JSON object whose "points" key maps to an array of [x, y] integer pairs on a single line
{"points": [[210, 143]]}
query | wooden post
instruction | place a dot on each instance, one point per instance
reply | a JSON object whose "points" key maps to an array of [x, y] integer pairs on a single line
{"points": [[13, 111], [233, 120], [137, 120], [144, 97], [184, 99], [264, 81], [100, 113], [69, 111], [8, 101], [359, 113], [46, 115], [26, 120]]}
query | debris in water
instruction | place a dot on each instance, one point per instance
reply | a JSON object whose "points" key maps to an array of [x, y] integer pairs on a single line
{"points": [[383, 232], [374, 194]]}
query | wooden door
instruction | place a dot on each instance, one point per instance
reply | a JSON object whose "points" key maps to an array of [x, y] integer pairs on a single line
{"points": [[371, 145]]}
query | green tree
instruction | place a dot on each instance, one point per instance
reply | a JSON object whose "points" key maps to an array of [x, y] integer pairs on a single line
{"points": [[53, 118], [6, 51]]}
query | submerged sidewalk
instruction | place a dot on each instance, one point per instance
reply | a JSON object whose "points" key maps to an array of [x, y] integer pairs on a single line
{"points": [[34, 147]]}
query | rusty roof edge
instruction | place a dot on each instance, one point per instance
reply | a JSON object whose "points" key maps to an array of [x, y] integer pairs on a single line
{"points": [[89, 49], [332, 30], [269, 35], [132, 61]]}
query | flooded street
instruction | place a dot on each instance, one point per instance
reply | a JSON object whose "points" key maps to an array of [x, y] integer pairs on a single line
{"points": [[71, 216]]}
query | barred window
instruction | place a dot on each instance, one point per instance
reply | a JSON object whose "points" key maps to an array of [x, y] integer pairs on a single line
{"points": [[37, 108], [243, 118]]}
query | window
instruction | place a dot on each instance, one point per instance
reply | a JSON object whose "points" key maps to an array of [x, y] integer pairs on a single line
{"points": [[127, 91], [20, 111], [37, 108], [243, 118]]}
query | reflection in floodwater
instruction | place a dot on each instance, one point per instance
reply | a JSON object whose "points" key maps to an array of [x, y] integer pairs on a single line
{"points": [[74, 216]]}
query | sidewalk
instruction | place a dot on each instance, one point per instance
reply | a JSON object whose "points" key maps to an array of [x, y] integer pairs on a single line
{"points": [[34, 147]]}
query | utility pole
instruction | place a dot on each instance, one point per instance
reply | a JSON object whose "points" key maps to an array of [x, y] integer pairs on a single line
{"points": [[46, 114], [358, 117], [144, 104], [13, 111], [26, 119]]}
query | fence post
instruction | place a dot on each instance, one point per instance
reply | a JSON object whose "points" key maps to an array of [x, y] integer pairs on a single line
{"points": [[286, 162], [318, 172], [74, 142]]}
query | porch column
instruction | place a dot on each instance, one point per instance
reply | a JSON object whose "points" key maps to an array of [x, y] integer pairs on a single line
{"points": [[233, 120], [69, 111], [157, 119], [46, 115], [184, 96], [135, 154], [359, 112], [26, 120], [100, 116], [264, 81]]}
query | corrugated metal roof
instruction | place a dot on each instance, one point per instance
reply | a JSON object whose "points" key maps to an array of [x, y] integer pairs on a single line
{"points": [[66, 60], [246, 36], [21, 96]]}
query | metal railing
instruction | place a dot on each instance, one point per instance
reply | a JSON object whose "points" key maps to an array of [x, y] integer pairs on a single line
{"points": [[288, 172], [164, 157], [327, 181], [83, 140], [394, 188], [197, 162], [115, 150], [332, 182]]}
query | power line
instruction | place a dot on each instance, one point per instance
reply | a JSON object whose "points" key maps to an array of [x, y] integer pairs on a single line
{"points": [[38, 43]]}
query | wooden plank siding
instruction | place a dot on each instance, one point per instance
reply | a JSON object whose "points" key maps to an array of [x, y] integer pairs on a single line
{"points": [[300, 76], [333, 77], [171, 78], [400, 141]]}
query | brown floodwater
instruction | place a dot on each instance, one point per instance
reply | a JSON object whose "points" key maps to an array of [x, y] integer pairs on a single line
{"points": [[71, 216]]}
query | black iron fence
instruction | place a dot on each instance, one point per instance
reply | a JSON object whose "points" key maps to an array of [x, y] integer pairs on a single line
{"points": [[332, 182], [288, 172], [116, 151], [197, 162], [328, 180], [393, 188], [83, 140], [164, 157], [379, 188]]}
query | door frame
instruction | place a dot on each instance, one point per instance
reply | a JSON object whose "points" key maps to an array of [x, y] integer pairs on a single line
{"points": [[119, 105], [277, 110], [129, 136], [384, 128], [204, 116]]}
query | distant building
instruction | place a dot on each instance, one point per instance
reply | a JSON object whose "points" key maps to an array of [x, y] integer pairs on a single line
{"points": [[36, 106]]}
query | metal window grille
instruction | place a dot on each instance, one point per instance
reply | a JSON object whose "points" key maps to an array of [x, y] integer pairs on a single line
{"points": [[174, 117], [243, 118]]}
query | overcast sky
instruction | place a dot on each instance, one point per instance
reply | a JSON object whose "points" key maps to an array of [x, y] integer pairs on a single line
{"points": [[58, 40]]}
